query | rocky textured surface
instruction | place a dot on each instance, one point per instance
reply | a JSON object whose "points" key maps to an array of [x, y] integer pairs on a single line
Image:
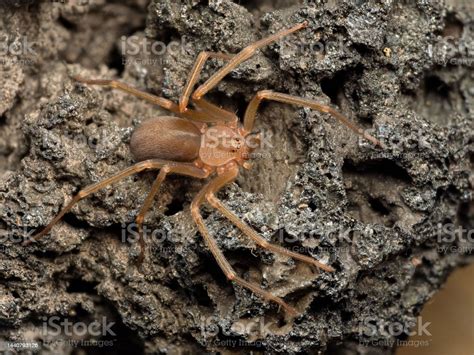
{"points": [[384, 219]]}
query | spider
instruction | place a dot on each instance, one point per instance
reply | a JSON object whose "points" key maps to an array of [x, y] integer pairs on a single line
{"points": [[202, 142]]}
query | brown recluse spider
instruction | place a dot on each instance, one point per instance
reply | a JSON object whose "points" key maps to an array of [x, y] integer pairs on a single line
{"points": [[201, 142]]}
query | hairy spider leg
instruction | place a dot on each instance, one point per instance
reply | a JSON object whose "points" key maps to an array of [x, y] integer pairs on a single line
{"points": [[250, 113], [241, 57], [211, 187], [188, 169]]}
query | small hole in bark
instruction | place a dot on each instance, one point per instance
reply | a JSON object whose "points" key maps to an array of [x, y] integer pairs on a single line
{"points": [[237, 104], [320, 304], [346, 316], [391, 280], [332, 87], [176, 205], [453, 27], [115, 61], [73, 221], [379, 167], [81, 286], [124, 340], [312, 205], [201, 295], [209, 266], [67, 24], [436, 86], [46, 254], [378, 206]]}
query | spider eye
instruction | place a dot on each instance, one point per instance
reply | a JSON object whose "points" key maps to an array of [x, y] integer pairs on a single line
{"points": [[237, 143]]}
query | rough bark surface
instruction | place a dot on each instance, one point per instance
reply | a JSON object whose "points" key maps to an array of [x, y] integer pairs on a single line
{"points": [[382, 218]]}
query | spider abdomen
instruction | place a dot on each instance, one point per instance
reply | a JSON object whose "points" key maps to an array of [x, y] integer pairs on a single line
{"points": [[166, 137]]}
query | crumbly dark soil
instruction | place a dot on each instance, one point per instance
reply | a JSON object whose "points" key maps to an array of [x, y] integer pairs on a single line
{"points": [[381, 218]]}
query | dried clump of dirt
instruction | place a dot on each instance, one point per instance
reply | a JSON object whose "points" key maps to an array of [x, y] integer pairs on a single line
{"points": [[383, 218]]}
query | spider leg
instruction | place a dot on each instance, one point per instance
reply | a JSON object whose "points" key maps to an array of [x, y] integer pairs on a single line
{"points": [[205, 106], [229, 272], [250, 113], [241, 57], [194, 75], [261, 242], [180, 168], [146, 206], [157, 100], [252, 234], [215, 111], [164, 171]]}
